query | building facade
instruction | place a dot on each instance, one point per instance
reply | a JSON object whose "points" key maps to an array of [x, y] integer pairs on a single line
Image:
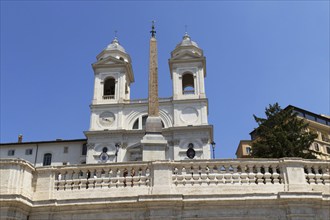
{"points": [[318, 124]]}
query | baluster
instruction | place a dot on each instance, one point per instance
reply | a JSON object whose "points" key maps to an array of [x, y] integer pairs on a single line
{"points": [[88, 177], [244, 175], [139, 174], [117, 179], [207, 174], [133, 177], [96, 178], [212, 174], [221, 177], [227, 176], [203, 173], [275, 175], [112, 176], [235, 174], [147, 176], [196, 174], [326, 176], [259, 175], [175, 176], [106, 179], [311, 175], [75, 180], [318, 175], [268, 175], [189, 174], [99, 182], [58, 178], [65, 176], [251, 175], [80, 178]]}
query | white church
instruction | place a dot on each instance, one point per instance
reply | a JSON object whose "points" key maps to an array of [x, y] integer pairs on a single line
{"points": [[117, 123], [151, 158]]}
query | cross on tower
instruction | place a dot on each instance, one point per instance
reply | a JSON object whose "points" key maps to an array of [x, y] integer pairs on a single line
{"points": [[153, 32]]}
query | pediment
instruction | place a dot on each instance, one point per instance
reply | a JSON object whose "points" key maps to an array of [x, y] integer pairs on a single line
{"points": [[109, 61], [186, 56]]}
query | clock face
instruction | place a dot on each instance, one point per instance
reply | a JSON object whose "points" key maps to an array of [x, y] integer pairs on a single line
{"points": [[106, 118]]}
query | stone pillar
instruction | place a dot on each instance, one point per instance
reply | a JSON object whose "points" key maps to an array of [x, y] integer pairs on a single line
{"points": [[294, 176]]}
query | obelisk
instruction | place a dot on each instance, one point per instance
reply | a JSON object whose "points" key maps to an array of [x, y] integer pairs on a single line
{"points": [[153, 142]]}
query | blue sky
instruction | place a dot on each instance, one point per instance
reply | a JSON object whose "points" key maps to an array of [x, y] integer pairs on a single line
{"points": [[258, 53]]}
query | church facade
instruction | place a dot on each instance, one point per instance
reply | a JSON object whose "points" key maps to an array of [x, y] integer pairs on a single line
{"points": [[150, 159], [117, 123]]}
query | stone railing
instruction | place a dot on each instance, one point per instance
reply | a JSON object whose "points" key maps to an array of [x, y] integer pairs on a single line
{"points": [[109, 97], [105, 176], [228, 172], [202, 177], [317, 173]]}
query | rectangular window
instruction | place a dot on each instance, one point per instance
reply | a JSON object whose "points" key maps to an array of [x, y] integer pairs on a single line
{"points": [[248, 150], [310, 117], [328, 150], [298, 113], [28, 151], [11, 152], [325, 138], [322, 121], [84, 149], [66, 150]]}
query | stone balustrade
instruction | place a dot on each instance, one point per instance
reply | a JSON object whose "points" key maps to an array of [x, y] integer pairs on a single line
{"points": [[105, 176], [228, 172], [170, 177], [317, 173]]}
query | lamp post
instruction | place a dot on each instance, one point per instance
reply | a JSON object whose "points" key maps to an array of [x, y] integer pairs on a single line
{"points": [[117, 149], [213, 147]]}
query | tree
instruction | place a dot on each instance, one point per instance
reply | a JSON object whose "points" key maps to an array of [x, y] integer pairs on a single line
{"points": [[282, 134]]}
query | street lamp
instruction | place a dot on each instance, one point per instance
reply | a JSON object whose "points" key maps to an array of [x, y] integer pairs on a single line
{"points": [[213, 147], [117, 149]]}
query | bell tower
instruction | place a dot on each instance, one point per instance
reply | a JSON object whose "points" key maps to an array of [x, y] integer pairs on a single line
{"points": [[113, 75], [188, 70]]}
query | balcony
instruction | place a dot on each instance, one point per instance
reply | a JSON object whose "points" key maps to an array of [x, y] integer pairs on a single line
{"points": [[106, 97], [188, 92]]}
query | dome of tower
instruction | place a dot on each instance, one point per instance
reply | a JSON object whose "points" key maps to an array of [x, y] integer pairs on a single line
{"points": [[114, 45], [186, 41]]}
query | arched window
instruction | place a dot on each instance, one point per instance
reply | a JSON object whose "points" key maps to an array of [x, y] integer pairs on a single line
{"points": [[47, 159], [109, 88], [144, 120], [136, 124], [188, 86]]}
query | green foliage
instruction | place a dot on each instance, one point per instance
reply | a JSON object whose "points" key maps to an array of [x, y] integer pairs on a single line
{"points": [[282, 134]]}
